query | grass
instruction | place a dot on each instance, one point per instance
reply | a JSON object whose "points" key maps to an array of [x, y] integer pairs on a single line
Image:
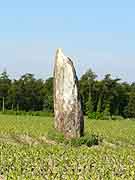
{"points": [[26, 154], [30, 125], [117, 132]]}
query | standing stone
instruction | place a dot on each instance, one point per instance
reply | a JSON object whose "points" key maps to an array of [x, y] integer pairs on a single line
{"points": [[67, 101]]}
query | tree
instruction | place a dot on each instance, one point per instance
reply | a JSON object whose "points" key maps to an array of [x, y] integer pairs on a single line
{"points": [[5, 83], [99, 104], [101, 96], [86, 88], [108, 91], [48, 94], [27, 93], [131, 105], [106, 112]]}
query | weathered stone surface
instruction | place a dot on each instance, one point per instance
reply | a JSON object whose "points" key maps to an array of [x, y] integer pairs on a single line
{"points": [[67, 102]]}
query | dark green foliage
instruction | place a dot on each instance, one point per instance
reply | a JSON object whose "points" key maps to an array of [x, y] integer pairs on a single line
{"points": [[89, 105], [99, 104], [28, 94], [5, 84], [48, 95], [40, 113], [108, 96], [106, 112], [131, 106], [86, 90], [95, 115], [88, 140], [100, 116], [31, 113]]}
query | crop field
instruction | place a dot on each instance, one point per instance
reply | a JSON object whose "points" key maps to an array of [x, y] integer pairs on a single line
{"points": [[26, 153]]}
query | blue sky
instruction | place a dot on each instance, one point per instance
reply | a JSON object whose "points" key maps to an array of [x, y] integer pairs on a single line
{"points": [[96, 34]]}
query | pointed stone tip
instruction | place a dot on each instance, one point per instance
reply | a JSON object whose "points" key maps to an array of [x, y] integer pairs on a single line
{"points": [[59, 51]]}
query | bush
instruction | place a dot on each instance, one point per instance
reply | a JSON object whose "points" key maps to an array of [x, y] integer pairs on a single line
{"points": [[88, 140], [102, 116], [95, 115], [31, 113], [117, 117], [10, 112], [40, 113]]}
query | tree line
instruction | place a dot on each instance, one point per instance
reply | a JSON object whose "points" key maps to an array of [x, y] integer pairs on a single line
{"points": [[106, 97]]}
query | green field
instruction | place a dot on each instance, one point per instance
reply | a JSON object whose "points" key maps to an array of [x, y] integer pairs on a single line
{"points": [[27, 154]]}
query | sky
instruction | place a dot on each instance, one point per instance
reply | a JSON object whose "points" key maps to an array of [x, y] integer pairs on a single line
{"points": [[96, 34]]}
